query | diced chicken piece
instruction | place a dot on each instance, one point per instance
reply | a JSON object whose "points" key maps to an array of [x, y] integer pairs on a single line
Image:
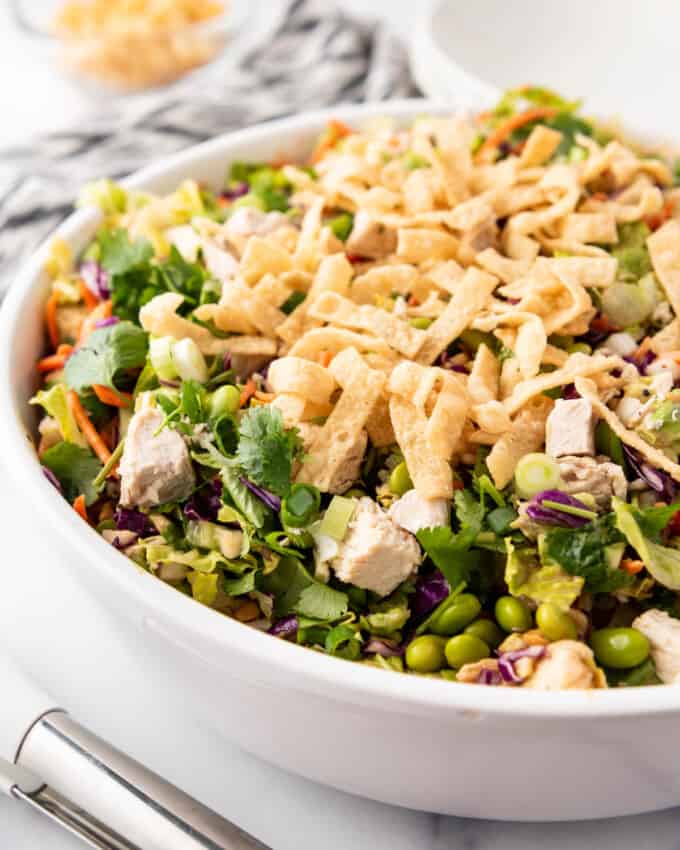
{"points": [[570, 428], [597, 476], [370, 238], [375, 554], [411, 512], [567, 665], [663, 633], [349, 472], [50, 434], [155, 467], [218, 261], [250, 221]]}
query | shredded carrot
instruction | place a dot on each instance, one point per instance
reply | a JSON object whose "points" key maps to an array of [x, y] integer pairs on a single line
{"points": [[51, 363], [87, 295], [655, 221], [108, 433], [643, 348], [247, 392], [632, 567], [79, 507], [507, 128], [413, 301], [65, 350], [458, 484], [113, 397], [102, 311], [90, 433], [51, 319], [335, 131], [602, 323], [326, 357]]}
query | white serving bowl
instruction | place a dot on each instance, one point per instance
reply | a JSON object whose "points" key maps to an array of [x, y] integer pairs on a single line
{"points": [[424, 743], [619, 55]]}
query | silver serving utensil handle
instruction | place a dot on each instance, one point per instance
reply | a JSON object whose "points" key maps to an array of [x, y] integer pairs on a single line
{"points": [[96, 792]]}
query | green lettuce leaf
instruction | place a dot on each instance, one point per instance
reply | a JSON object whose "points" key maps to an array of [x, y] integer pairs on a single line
{"points": [[107, 353], [388, 616], [55, 403], [118, 255], [525, 576], [75, 468], [662, 562], [295, 591], [255, 511]]}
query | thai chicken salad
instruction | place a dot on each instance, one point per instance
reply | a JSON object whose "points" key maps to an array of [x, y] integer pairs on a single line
{"points": [[412, 400]]}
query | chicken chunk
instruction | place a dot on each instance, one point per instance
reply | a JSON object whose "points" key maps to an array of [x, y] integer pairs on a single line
{"points": [[155, 467], [370, 238], [411, 512], [570, 428], [375, 554], [595, 475], [218, 261], [566, 665], [663, 633], [250, 221]]}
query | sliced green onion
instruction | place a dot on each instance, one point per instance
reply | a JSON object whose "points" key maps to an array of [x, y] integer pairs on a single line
{"points": [[341, 225], [569, 509], [301, 505], [627, 304], [337, 517], [160, 355], [108, 466], [189, 362], [225, 400], [536, 472]]}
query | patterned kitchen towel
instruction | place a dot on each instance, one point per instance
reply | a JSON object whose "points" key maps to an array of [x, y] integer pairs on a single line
{"points": [[313, 56]]}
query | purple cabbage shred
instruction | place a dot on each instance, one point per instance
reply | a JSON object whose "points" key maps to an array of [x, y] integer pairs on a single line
{"points": [[270, 499], [105, 323], [506, 662], [286, 627], [538, 512], [431, 589], [206, 502], [51, 477], [96, 279], [383, 646], [657, 479], [489, 677], [237, 190], [130, 519], [570, 392]]}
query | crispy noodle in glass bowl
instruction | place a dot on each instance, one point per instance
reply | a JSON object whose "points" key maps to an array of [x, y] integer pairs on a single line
{"points": [[398, 387]]}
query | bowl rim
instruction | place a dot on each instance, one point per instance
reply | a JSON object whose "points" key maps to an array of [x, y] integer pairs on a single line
{"points": [[308, 671]]}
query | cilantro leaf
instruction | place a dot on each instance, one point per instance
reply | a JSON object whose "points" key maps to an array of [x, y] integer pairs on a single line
{"points": [[177, 275], [250, 506], [75, 467], [582, 552], [266, 449], [448, 550], [118, 255], [107, 352]]}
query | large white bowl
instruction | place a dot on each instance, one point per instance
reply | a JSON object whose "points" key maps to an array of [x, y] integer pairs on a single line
{"points": [[428, 744]]}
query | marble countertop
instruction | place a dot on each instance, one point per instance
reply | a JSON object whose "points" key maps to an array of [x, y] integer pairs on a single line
{"points": [[79, 653]]}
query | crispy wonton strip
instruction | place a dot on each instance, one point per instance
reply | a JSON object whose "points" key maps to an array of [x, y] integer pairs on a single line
{"points": [[336, 310], [587, 389], [301, 377], [262, 256], [668, 338], [540, 146], [578, 365], [664, 250], [432, 475], [526, 435], [471, 295], [343, 428]]}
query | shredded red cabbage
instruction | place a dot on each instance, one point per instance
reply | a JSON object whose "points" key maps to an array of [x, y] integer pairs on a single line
{"points": [[570, 392], [506, 662], [489, 677], [383, 646], [165, 383], [431, 589], [286, 627], [237, 190], [206, 502], [51, 477], [657, 479], [105, 323], [270, 499], [130, 519], [537, 511], [96, 278], [226, 361], [123, 542]]}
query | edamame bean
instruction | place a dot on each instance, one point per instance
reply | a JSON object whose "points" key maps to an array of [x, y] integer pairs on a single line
{"points": [[225, 399], [554, 623], [425, 654], [422, 323], [512, 615], [460, 613], [465, 649], [487, 631], [400, 481], [620, 648]]}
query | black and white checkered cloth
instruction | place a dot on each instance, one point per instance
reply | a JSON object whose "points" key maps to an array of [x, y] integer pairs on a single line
{"points": [[313, 56]]}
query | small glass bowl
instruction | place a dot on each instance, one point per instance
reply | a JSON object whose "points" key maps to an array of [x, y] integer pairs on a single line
{"points": [[132, 59]]}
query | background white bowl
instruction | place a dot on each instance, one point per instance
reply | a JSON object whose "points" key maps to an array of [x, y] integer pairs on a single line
{"points": [[621, 56], [423, 743]]}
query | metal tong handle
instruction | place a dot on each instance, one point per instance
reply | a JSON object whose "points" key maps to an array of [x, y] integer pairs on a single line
{"points": [[92, 789]]}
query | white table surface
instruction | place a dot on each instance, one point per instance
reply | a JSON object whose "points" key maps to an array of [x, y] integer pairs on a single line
{"points": [[72, 646]]}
